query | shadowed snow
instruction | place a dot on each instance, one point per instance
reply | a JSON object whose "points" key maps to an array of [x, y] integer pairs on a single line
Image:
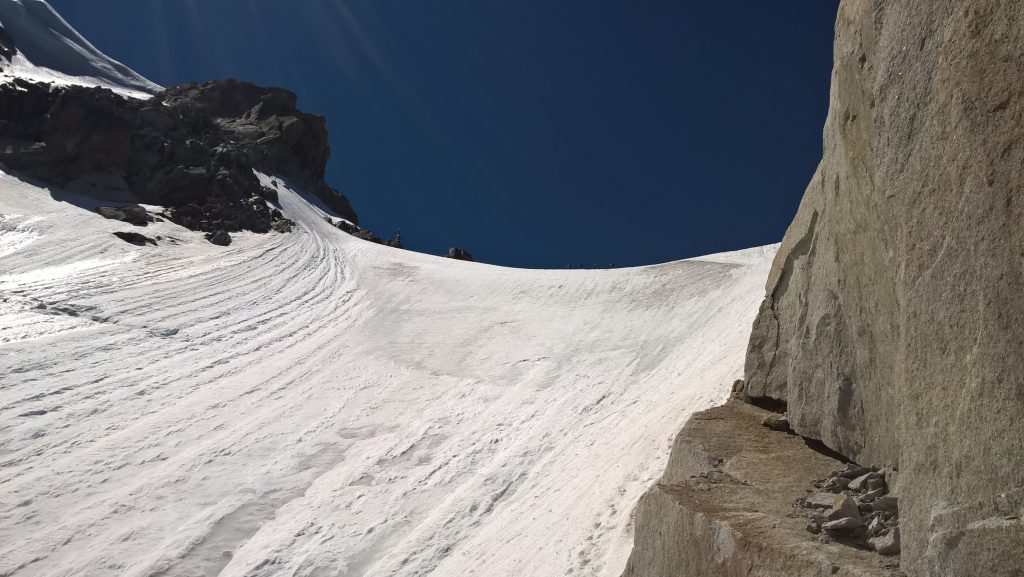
{"points": [[50, 50]]}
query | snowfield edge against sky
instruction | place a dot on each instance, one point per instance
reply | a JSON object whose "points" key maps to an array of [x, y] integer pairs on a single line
{"points": [[50, 50], [312, 404]]}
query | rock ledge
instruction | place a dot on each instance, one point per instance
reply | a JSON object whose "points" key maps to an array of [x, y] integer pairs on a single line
{"points": [[724, 506]]}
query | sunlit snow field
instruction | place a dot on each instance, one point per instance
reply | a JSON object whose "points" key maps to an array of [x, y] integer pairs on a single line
{"points": [[313, 404]]}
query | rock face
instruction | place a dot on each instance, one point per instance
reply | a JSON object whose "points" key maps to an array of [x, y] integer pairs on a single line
{"points": [[893, 324], [132, 214], [725, 506], [192, 148]]}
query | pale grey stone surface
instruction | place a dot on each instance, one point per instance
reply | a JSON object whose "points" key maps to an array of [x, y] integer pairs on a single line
{"points": [[894, 319], [963, 537], [724, 507]]}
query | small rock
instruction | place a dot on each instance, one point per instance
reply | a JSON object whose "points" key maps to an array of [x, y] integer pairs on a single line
{"points": [[819, 501], [860, 483], [836, 484], [283, 225], [887, 543], [135, 214], [776, 422], [887, 503], [876, 484], [220, 238], [875, 527], [843, 506], [872, 495], [739, 387], [852, 471], [110, 212], [132, 214], [844, 525], [813, 528], [135, 238]]}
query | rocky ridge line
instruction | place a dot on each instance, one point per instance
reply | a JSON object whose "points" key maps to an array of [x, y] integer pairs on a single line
{"points": [[191, 148]]}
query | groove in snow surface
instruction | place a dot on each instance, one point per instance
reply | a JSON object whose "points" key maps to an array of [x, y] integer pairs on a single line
{"points": [[311, 404]]}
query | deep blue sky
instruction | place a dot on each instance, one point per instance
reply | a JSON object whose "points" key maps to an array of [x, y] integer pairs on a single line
{"points": [[534, 133]]}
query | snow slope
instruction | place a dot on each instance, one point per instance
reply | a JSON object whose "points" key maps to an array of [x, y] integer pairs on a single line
{"points": [[50, 50], [311, 404]]}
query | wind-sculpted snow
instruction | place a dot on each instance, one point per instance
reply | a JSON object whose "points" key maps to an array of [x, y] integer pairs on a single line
{"points": [[50, 50], [311, 404]]}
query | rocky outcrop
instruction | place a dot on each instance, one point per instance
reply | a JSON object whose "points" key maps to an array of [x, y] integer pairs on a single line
{"points": [[132, 214], [893, 324], [191, 148], [219, 238], [364, 233], [725, 506], [267, 127]]}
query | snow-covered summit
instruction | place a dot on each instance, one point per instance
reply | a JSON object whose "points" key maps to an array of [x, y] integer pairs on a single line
{"points": [[50, 50]]}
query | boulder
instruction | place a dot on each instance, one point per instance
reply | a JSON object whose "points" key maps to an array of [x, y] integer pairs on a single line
{"points": [[887, 543], [861, 482], [843, 525], [836, 484], [135, 214], [135, 238], [852, 471], [219, 237], [888, 504], [876, 526], [843, 506], [819, 501], [776, 422], [459, 254], [132, 214], [283, 225]]}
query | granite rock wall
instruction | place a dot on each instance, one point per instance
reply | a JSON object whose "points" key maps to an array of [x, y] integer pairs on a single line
{"points": [[893, 324]]}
